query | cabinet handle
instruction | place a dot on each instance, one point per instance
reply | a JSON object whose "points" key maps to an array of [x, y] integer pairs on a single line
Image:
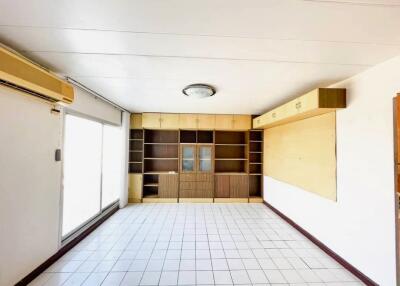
{"points": [[273, 115], [298, 105]]}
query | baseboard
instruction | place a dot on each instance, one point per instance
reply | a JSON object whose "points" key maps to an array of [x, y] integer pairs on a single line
{"points": [[325, 248], [64, 249]]}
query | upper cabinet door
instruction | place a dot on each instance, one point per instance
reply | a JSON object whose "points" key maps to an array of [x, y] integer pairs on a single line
{"points": [[187, 121], [241, 122], [223, 122], [169, 121], [136, 121], [206, 121], [151, 120]]}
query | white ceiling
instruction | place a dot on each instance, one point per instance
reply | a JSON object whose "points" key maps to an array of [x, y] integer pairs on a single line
{"points": [[257, 53]]}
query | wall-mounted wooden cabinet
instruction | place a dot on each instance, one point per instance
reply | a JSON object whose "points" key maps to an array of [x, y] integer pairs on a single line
{"points": [[241, 122], [169, 121], [197, 121], [160, 121], [232, 122], [223, 122], [149, 120], [188, 121], [136, 121], [205, 121], [316, 102]]}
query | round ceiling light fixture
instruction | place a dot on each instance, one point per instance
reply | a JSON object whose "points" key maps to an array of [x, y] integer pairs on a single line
{"points": [[199, 90]]}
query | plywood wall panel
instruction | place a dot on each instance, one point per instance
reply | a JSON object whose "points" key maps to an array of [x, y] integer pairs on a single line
{"points": [[303, 154]]}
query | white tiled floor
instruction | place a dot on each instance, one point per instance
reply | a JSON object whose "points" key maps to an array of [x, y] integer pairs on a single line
{"points": [[196, 244]]}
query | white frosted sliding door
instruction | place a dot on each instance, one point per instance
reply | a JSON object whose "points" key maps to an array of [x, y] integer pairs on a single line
{"points": [[82, 171], [113, 159]]}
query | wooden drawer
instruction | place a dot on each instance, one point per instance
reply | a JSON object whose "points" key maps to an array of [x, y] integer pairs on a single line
{"points": [[186, 193], [187, 177], [187, 185], [204, 177]]}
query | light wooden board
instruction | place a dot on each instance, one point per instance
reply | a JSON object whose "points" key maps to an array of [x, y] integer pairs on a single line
{"points": [[159, 200], [231, 200], [196, 200], [303, 154]]}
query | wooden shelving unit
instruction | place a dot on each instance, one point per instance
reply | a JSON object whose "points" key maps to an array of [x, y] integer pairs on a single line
{"points": [[168, 165], [231, 152], [255, 165], [161, 157], [136, 151]]}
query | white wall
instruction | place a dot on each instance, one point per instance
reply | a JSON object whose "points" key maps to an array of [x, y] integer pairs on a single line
{"points": [[29, 184], [30, 179], [360, 227]]}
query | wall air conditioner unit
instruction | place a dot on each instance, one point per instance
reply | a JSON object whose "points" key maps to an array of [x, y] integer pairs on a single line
{"points": [[19, 73]]}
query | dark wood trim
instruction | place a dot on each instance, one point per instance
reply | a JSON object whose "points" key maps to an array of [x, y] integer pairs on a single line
{"points": [[326, 249], [42, 267]]}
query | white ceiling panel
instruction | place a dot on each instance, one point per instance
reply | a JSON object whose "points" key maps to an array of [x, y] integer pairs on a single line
{"points": [[294, 19], [154, 84], [257, 53], [163, 45]]}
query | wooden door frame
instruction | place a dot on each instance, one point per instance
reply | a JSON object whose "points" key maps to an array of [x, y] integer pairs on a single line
{"points": [[396, 167]]}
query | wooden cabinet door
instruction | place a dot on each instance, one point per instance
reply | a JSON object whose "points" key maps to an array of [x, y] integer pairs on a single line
{"points": [[136, 121], [205, 121], [188, 158], [168, 185], [135, 187], [222, 186], [204, 190], [290, 108], [187, 121], [151, 120], [241, 122], [205, 158], [223, 122], [204, 185], [239, 186], [308, 102], [169, 121]]}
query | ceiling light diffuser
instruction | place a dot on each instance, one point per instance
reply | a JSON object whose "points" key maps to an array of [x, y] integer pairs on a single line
{"points": [[199, 90]]}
